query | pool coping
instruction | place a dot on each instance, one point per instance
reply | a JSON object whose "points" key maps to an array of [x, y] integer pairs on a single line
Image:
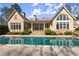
{"points": [[37, 45], [36, 35]]}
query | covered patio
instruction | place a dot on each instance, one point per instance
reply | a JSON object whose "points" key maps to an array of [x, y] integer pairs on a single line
{"points": [[40, 25]]}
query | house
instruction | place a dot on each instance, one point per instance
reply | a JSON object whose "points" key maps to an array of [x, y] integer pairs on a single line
{"points": [[17, 22], [62, 21]]}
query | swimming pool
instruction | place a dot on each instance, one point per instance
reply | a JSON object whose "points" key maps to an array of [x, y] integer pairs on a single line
{"points": [[55, 41]]}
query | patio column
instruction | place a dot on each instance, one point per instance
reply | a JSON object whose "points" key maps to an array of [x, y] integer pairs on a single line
{"points": [[32, 26], [44, 26]]}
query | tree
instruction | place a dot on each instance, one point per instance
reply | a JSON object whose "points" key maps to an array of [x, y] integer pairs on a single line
{"points": [[7, 11], [16, 6], [2, 21], [77, 17]]}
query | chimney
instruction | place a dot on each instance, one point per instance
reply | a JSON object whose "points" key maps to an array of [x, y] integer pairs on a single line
{"points": [[34, 17], [22, 13]]}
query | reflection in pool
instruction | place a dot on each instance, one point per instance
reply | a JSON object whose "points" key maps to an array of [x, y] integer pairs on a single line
{"points": [[55, 41]]}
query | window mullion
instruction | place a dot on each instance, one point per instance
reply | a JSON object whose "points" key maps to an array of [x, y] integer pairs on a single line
{"points": [[62, 17]]}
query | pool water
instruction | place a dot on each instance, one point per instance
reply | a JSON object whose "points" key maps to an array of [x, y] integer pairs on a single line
{"points": [[55, 41]]}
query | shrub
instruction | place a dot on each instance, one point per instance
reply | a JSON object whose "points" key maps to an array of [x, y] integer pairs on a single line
{"points": [[53, 33], [60, 33], [47, 32], [3, 29], [50, 32], [77, 29], [68, 33], [26, 32]]}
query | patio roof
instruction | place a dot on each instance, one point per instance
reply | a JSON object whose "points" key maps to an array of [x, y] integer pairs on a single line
{"points": [[40, 20]]}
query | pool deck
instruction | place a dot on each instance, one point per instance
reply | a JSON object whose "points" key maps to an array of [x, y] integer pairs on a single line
{"points": [[37, 50], [36, 36]]}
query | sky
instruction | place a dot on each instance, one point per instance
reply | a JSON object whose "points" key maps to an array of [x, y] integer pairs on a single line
{"points": [[43, 10]]}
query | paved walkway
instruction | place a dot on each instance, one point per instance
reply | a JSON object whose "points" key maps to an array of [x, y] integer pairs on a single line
{"points": [[11, 50]]}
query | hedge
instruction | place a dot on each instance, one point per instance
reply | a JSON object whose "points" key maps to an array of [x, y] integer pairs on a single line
{"points": [[68, 33], [26, 32]]}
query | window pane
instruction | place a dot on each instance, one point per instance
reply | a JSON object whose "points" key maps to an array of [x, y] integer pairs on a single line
{"points": [[67, 18], [16, 25], [57, 25], [60, 25], [60, 17], [67, 25], [57, 18], [47, 26], [64, 25], [19, 25], [64, 17]]}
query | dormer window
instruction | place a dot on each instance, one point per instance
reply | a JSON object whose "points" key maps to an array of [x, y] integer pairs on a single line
{"points": [[15, 17]]}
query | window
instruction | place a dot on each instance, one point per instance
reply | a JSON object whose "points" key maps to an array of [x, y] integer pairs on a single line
{"points": [[62, 17], [47, 26], [67, 18], [19, 26], [67, 25], [15, 26], [15, 17], [62, 25], [57, 18], [57, 25]]}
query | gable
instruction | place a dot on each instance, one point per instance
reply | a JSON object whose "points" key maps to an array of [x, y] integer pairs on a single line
{"points": [[19, 17], [63, 10], [12, 18]]}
